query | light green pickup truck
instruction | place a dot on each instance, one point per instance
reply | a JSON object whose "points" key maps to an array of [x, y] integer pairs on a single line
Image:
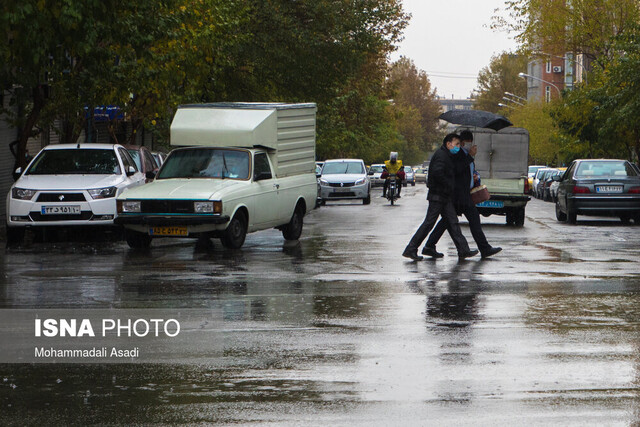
{"points": [[502, 161]]}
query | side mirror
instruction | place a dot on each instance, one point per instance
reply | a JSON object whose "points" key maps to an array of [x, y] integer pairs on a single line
{"points": [[16, 174], [150, 174], [131, 171], [370, 173], [262, 175]]}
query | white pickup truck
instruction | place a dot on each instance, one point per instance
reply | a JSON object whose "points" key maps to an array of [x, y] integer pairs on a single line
{"points": [[242, 167], [502, 162]]}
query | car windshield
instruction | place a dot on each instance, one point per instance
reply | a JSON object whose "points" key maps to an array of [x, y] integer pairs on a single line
{"points": [[376, 169], [533, 169], [408, 169], [336, 168], [206, 163], [75, 161], [136, 158], [607, 168]]}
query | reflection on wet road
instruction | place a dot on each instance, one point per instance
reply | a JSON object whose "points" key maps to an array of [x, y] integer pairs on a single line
{"points": [[338, 328]]}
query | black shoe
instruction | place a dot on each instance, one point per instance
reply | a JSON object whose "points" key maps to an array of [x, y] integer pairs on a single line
{"points": [[429, 251], [384, 195], [469, 254], [411, 254], [491, 251]]}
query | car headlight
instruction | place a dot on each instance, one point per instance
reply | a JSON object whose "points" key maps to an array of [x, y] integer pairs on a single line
{"points": [[207, 207], [103, 193], [324, 182], [22, 194], [360, 181], [129, 206]]}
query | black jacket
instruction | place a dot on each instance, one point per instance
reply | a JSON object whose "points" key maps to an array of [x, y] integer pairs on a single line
{"points": [[462, 195], [441, 178]]}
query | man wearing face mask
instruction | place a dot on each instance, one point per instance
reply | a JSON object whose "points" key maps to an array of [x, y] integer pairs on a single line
{"points": [[466, 178], [441, 183]]}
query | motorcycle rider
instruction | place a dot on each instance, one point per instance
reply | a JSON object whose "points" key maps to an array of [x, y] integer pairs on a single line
{"points": [[392, 166]]}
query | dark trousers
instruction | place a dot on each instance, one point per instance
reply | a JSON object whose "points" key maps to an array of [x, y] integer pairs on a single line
{"points": [[446, 210], [471, 212]]}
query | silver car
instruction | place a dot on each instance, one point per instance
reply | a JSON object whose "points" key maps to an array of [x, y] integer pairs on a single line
{"points": [[345, 179], [374, 174]]}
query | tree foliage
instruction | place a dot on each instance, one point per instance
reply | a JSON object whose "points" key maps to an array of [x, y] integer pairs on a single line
{"points": [[500, 76], [60, 59], [545, 138], [578, 26]]}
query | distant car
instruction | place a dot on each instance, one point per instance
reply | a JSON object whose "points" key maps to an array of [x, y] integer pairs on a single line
{"points": [[536, 180], [551, 190], [345, 179], [420, 174], [531, 172], [318, 174], [70, 185], [374, 173], [144, 160], [159, 157], [545, 181], [603, 187], [410, 177]]}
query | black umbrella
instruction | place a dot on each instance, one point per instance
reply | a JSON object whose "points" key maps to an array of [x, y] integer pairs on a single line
{"points": [[477, 118]]}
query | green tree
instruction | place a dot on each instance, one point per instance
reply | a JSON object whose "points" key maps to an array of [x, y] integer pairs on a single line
{"points": [[416, 109], [545, 138], [500, 76]]}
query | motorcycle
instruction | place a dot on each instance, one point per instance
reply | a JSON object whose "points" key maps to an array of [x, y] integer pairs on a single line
{"points": [[392, 190]]}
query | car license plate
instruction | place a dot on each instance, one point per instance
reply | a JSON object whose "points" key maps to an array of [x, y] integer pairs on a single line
{"points": [[168, 231], [341, 190], [60, 210], [609, 189], [491, 204]]}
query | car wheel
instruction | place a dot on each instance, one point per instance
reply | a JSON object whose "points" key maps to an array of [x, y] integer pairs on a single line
{"points": [[572, 217], [560, 216], [626, 219], [323, 202], [137, 240], [367, 199], [519, 217], [636, 219], [293, 229], [510, 218], [15, 236], [233, 237]]}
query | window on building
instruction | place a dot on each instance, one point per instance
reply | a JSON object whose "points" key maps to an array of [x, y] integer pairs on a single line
{"points": [[548, 67], [547, 93]]}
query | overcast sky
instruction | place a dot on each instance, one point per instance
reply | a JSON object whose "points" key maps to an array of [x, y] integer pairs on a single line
{"points": [[451, 41]]}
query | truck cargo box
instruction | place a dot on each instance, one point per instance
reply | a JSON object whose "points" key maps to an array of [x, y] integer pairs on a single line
{"points": [[502, 154], [286, 131]]}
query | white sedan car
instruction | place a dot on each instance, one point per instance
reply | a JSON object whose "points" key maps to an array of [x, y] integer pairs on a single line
{"points": [[345, 179], [70, 185]]}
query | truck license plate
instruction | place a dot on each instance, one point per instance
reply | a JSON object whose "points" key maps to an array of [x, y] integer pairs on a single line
{"points": [[60, 210], [609, 189], [168, 231], [491, 204]]}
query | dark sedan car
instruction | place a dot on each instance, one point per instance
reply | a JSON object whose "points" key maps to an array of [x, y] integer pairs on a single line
{"points": [[599, 188]]}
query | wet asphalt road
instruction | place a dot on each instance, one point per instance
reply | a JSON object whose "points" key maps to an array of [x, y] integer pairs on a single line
{"points": [[340, 329]]}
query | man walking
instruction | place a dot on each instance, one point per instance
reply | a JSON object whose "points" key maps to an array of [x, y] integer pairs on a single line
{"points": [[465, 180], [441, 183]]}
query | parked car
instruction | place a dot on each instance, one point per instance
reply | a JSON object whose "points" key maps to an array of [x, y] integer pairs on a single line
{"points": [[345, 179], [531, 172], [159, 157], [70, 185], [420, 174], [374, 173], [544, 182], [551, 190], [144, 160], [536, 180], [410, 176], [603, 187]]}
